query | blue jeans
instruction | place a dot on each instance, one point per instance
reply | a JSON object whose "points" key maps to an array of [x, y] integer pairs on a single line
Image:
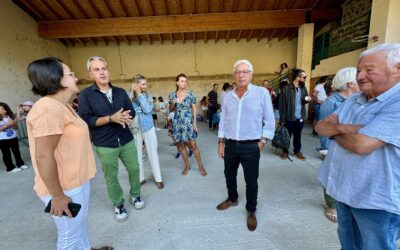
{"points": [[367, 229], [316, 108], [324, 142]]}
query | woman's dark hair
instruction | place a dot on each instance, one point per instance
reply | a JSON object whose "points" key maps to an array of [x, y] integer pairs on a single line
{"points": [[225, 86], [203, 100], [45, 75], [177, 79], [7, 109], [160, 99], [323, 79]]}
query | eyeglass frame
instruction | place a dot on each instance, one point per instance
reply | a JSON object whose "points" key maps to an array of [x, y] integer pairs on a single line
{"points": [[71, 74], [243, 72]]}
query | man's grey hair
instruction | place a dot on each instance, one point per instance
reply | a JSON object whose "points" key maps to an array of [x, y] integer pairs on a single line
{"points": [[95, 58], [392, 51], [243, 61], [344, 76]]}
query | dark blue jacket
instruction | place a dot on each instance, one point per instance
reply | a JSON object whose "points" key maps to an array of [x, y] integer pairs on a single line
{"points": [[93, 104]]}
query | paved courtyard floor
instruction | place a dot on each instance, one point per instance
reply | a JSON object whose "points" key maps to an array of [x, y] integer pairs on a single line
{"points": [[183, 214]]}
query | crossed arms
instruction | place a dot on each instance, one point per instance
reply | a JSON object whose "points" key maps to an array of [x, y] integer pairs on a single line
{"points": [[347, 136]]}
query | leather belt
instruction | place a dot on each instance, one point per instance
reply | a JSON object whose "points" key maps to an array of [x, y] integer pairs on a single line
{"points": [[243, 142]]}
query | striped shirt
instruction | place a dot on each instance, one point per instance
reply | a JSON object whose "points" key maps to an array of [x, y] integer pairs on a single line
{"points": [[213, 98]]}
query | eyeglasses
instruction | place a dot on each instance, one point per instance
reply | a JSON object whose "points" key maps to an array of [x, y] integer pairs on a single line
{"points": [[242, 72], [71, 74]]}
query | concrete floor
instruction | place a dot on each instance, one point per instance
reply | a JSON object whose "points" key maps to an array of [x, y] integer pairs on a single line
{"points": [[183, 214]]}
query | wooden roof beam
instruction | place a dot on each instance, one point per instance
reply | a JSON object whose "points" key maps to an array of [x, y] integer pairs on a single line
{"points": [[271, 36], [153, 12], [321, 15], [250, 34], [183, 37], [281, 36], [228, 34], [171, 24], [137, 7], [32, 9], [166, 7], [149, 39], [221, 6], [239, 36], [261, 35]]}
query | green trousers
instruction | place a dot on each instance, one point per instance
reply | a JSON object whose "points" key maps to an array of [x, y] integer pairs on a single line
{"points": [[109, 163]]}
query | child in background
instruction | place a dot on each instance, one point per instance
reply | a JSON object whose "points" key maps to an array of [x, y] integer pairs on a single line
{"points": [[217, 116], [23, 110], [9, 140]]}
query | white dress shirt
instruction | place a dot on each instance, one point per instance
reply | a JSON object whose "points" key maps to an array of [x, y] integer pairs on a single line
{"points": [[248, 118]]}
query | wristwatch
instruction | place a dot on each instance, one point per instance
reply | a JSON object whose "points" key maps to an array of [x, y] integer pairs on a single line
{"points": [[263, 140]]}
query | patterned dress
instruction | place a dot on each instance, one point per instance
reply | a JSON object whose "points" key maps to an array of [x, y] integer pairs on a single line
{"points": [[182, 130]]}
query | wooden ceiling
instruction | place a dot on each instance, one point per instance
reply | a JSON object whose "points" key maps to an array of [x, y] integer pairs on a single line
{"points": [[83, 22]]}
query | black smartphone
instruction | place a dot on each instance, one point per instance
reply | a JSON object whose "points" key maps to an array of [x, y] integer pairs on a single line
{"points": [[73, 208]]}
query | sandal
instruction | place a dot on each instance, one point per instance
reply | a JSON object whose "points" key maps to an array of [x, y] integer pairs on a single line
{"points": [[330, 214], [102, 248], [203, 172], [185, 171], [160, 185]]}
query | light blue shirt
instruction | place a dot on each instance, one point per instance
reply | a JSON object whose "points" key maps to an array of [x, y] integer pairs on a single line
{"points": [[370, 181], [143, 105], [248, 118], [332, 103], [297, 104]]}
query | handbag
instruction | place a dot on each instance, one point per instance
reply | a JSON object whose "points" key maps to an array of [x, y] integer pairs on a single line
{"points": [[134, 125]]}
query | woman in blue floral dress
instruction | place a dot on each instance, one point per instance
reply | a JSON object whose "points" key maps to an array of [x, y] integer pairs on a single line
{"points": [[184, 124]]}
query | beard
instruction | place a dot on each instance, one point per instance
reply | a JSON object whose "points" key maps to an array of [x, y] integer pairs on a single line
{"points": [[302, 83]]}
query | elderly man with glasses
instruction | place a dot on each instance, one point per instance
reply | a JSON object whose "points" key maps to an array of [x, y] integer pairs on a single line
{"points": [[292, 111], [247, 121]]}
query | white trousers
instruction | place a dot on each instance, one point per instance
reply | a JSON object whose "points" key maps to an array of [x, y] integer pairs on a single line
{"points": [[150, 141], [73, 232]]}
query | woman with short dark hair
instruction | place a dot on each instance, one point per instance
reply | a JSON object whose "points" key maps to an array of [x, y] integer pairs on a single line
{"points": [[61, 152]]}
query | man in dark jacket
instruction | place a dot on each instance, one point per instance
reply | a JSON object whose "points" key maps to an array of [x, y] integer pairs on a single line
{"points": [[292, 110], [108, 110]]}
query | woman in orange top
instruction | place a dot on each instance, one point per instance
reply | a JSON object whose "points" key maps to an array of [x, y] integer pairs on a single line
{"points": [[61, 151]]}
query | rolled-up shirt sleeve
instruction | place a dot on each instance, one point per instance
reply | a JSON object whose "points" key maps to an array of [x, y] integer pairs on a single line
{"points": [[222, 122], [268, 128]]}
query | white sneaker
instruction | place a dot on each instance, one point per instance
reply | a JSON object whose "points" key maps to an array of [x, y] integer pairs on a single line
{"points": [[15, 170], [137, 202], [158, 129], [120, 213], [23, 167]]}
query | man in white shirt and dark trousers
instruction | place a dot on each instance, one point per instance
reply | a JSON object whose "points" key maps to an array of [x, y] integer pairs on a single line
{"points": [[247, 122]]}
